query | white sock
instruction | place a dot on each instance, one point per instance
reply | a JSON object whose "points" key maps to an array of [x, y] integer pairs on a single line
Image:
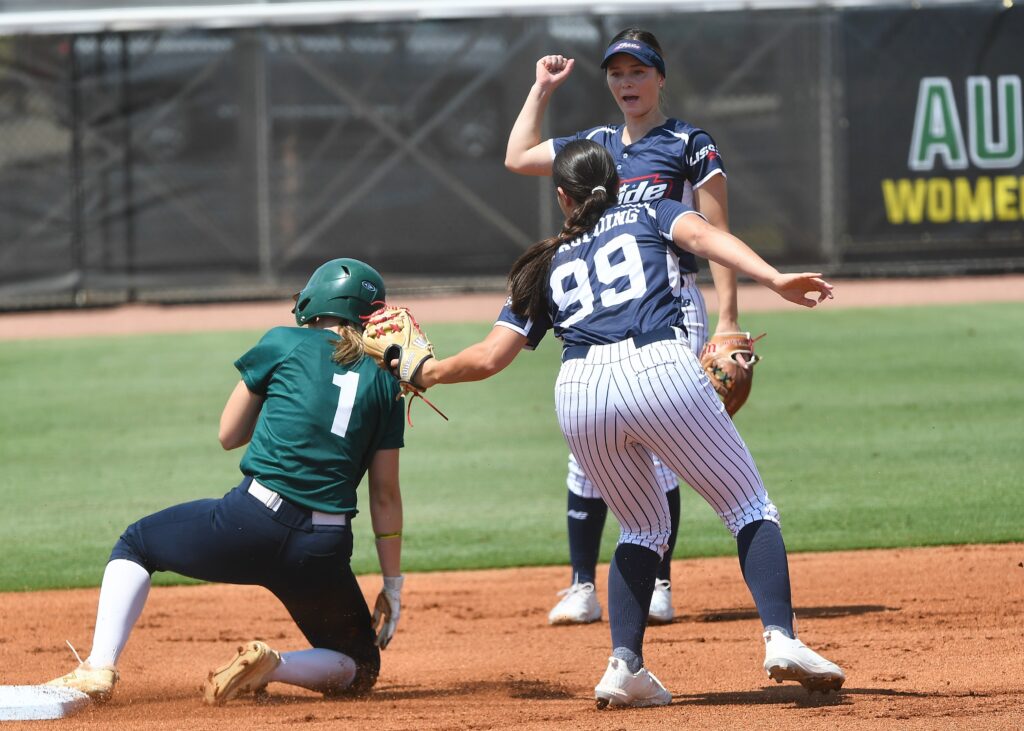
{"points": [[316, 669], [122, 596]]}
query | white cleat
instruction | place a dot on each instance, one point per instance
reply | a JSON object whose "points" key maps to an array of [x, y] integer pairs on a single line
{"points": [[661, 611], [791, 659], [620, 688], [577, 606]]}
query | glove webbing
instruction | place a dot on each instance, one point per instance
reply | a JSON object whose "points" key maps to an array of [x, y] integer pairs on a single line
{"points": [[416, 393]]}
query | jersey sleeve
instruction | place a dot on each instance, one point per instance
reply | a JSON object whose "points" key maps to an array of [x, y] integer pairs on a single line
{"points": [[703, 158], [386, 394], [393, 434], [664, 214], [257, 366], [533, 331]]}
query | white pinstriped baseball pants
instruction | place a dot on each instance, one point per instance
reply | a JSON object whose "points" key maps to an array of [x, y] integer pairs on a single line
{"points": [[695, 317], [620, 404]]}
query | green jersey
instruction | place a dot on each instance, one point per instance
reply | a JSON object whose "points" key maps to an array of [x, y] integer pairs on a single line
{"points": [[321, 423]]}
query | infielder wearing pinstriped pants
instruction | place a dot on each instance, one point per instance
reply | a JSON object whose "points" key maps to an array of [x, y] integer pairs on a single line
{"points": [[655, 157], [630, 388], [587, 509], [617, 404]]}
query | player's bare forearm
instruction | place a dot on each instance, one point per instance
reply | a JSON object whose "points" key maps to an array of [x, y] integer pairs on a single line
{"points": [[386, 510], [705, 240], [389, 554], [724, 279], [697, 235], [477, 362]]}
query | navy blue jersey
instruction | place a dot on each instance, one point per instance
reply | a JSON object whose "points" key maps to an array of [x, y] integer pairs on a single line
{"points": [[618, 280], [668, 162]]}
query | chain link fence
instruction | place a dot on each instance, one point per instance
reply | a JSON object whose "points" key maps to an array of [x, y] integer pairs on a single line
{"points": [[206, 164]]}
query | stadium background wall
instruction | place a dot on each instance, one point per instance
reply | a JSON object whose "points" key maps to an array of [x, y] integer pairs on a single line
{"points": [[171, 163]]}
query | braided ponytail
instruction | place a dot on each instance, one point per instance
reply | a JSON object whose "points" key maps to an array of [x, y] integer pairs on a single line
{"points": [[586, 172]]}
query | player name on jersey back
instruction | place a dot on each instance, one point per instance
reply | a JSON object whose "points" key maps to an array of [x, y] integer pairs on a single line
{"points": [[620, 217]]}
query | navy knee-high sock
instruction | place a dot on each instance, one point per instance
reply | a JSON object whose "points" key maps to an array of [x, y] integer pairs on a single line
{"points": [[665, 567], [630, 585], [766, 571], [586, 524]]}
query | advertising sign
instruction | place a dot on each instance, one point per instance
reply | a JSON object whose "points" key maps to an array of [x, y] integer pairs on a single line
{"points": [[936, 124]]}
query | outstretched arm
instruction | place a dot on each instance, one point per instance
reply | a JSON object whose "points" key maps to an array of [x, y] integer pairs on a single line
{"points": [[526, 154], [477, 362], [712, 200], [697, 235]]}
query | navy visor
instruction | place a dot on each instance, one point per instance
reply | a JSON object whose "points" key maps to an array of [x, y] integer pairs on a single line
{"points": [[637, 49]]}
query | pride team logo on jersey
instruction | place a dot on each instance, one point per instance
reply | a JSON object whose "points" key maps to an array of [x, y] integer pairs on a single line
{"points": [[644, 189]]}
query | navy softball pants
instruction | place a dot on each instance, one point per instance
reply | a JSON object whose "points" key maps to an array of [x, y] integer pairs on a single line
{"points": [[239, 540]]}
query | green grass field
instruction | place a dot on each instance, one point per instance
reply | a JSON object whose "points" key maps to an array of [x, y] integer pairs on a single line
{"points": [[877, 427]]}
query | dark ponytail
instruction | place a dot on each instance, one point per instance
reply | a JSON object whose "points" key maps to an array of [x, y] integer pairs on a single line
{"points": [[586, 172]]}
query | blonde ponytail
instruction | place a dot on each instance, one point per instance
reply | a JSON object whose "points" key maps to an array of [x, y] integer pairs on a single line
{"points": [[349, 347]]}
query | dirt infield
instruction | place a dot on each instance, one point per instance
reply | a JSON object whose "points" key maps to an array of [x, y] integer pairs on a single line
{"points": [[930, 638]]}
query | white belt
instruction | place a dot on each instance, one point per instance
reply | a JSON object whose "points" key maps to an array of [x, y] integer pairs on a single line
{"points": [[273, 501]]}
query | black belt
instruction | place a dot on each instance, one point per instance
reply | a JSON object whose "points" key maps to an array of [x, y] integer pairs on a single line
{"points": [[662, 333]]}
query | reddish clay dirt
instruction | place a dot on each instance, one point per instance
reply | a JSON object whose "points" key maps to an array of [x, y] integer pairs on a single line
{"points": [[930, 638]]}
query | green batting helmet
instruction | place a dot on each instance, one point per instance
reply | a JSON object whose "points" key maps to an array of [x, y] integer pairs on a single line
{"points": [[345, 288]]}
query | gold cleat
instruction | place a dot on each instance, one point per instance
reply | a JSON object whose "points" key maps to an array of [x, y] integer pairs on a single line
{"points": [[246, 672], [97, 683]]}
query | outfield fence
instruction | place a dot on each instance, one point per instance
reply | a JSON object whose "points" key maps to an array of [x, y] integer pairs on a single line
{"points": [[201, 152]]}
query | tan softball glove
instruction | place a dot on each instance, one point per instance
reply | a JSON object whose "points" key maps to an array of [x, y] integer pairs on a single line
{"points": [[392, 334], [728, 359]]}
